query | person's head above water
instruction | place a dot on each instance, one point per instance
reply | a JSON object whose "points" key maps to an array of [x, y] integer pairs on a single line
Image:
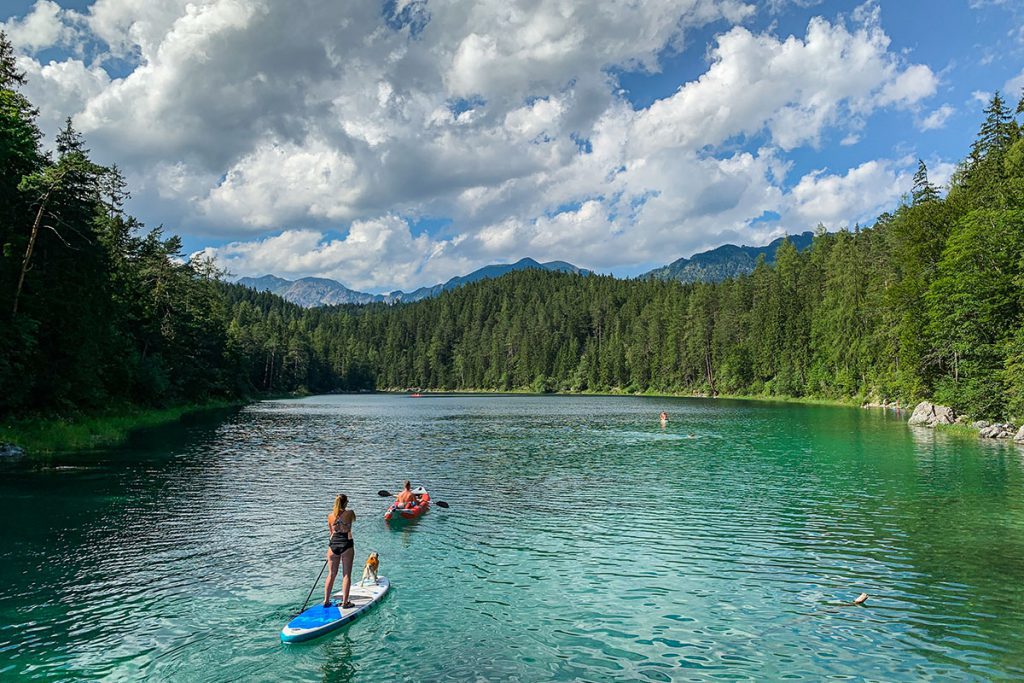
{"points": [[407, 485]]}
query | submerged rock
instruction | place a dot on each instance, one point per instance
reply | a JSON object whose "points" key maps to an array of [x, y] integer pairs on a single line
{"points": [[9, 450], [927, 414]]}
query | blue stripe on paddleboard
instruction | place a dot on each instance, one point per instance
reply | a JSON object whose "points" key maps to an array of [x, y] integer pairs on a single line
{"points": [[319, 620]]}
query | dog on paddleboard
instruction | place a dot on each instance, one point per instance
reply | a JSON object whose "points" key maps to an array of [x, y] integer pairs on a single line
{"points": [[370, 568]]}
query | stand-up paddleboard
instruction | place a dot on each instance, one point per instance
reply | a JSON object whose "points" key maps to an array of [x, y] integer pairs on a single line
{"points": [[318, 620]]}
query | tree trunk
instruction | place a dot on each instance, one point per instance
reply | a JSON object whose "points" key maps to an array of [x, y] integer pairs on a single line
{"points": [[710, 372], [28, 251]]}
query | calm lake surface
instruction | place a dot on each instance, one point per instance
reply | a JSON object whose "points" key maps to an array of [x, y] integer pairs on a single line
{"points": [[583, 542]]}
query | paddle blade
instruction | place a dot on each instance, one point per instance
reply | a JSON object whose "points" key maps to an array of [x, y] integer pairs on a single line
{"points": [[441, 504], [384, 494]]}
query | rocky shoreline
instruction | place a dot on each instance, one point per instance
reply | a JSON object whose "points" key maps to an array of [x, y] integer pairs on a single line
{"points": [[927, 414]]}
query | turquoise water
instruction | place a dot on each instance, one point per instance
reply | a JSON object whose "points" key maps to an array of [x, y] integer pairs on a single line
{"points": [[583, 542]]}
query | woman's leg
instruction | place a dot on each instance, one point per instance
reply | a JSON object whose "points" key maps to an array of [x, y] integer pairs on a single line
{"points": [[332, 560], [347, 558]]}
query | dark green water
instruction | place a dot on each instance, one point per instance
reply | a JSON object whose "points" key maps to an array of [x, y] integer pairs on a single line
{"points": [[583, 542]]}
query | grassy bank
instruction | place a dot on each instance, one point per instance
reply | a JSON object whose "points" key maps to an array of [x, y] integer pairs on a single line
{"points": [[50, 434]]}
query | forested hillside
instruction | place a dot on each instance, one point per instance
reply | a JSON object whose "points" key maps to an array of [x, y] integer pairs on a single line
{"points": [[925, 303], [96, 311], [726, 261]]}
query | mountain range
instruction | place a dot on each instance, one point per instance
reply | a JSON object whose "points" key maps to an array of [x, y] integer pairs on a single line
{"points": [[725, 261], [318, 291], [717, 264]]}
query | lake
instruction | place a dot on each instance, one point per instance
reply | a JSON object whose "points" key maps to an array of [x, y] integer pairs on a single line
{"points": [[583, 542]]}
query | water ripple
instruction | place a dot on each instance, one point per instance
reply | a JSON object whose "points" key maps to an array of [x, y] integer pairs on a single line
{"points": [[583, 543]]}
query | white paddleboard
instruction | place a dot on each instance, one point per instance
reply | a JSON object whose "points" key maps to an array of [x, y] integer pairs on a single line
{"points": [[318, 620]]}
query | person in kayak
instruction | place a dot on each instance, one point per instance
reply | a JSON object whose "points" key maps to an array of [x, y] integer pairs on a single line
{"points": [[341, 550], [406, 498]]}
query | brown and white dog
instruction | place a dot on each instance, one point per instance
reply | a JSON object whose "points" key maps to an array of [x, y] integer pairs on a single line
{"points": [[370, 568]]}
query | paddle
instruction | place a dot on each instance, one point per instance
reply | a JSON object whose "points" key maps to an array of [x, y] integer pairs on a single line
{"points": [[439, 503], [304, 602]]}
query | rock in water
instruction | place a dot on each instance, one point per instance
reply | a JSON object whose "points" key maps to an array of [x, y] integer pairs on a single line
{"points": [[999, 430], [980, 424], [9, 450], [1020, 435], [927, 414]]}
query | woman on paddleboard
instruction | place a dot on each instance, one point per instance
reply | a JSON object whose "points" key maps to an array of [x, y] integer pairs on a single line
{"points": [[341, 550]]}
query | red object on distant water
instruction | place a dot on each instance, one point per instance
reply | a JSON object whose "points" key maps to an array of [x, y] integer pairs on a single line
{"points": [[416, 395], [398, 513]]}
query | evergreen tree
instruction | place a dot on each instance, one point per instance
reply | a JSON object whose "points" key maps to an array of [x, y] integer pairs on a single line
{"points": [[923, 191]]}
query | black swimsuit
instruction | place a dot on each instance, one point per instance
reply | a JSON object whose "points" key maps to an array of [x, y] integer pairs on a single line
{"points": [[340, 542]]}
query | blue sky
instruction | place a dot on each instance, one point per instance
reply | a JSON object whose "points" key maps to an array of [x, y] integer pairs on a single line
{"points": [[396, 145]]}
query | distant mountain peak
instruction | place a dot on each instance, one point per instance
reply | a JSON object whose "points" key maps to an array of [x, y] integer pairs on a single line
{"points": [[719, 263], [318, 291], [726, 261]]}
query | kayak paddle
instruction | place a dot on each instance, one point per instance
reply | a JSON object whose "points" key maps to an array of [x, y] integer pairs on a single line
{"points": [[439, 503]]}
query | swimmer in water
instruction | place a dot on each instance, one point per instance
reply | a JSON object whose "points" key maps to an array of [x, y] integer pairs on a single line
{"points": [[663, 418]]}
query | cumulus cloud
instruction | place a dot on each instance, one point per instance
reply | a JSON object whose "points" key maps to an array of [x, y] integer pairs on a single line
{"points": [[937, 119], [384, 243], [45, 25], [239, 118], [65, 87], [793, 87], [839, 200]]}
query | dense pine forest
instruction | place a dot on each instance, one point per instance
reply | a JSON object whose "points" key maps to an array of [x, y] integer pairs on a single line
{"points": [[98, 312]]}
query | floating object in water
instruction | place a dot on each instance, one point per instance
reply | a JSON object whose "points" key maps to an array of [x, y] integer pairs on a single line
{"points": [[318, 620], [415, 395], [861, 599], [397, 512]]}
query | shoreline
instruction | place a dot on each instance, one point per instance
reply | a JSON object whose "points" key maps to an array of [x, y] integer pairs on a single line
{"points": [[46, 435], [807, 400]]}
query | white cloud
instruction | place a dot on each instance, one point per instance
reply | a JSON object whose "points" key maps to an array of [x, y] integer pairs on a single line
{"points": [[1013, 89], [384, 243], [940, 171], [794, 87], [839, 200], [937, 119], [44, 26], [915, 83], [65, 87], [282, 182], [239, 118]]}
